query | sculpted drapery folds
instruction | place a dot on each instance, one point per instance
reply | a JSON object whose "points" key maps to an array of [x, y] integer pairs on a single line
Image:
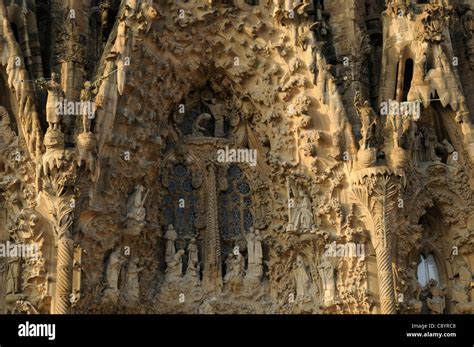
{"points": [[237, 157]]}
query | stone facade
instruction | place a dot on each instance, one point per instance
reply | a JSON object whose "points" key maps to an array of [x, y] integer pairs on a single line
{"points": [[237, 156]]}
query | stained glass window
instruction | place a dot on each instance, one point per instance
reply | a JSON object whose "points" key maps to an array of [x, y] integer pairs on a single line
{"points": [[180, 191], [235, 215]]}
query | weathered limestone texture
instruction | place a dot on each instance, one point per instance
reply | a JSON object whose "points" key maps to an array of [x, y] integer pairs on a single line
{"points": [[268, 156]]}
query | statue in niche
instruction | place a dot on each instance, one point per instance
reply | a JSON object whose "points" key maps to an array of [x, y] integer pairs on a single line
{"points": [[430, 144], [302, 280], [135, 209], [412, 288], [86, 107], [326, 272], [199, 129], [218, 110], [136, 212], [419, 88], [192, 269], [228, 266], [13, 275], [413, 284], [170, 237], [437, 302], [193, 251], [302, 219], [419, 144], [235, 267], [114, 266], [255, 254], [368, 120], [104, 16], [132, 285], [174, 268], [55, 98]]}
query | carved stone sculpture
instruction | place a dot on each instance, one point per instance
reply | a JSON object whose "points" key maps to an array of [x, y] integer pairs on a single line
{"points": [[192, 269], [302, 219], [326, 272], [235, 265], [302, 280], [55, 98], [114, 266], [255, 254], [170, 237], [299, 86], [13, 275], [437, 301], [132, 285], [136, 212], [174, 268]]}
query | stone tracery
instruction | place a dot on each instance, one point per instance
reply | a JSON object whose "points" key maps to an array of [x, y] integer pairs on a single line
{"points": [[154, 216]]}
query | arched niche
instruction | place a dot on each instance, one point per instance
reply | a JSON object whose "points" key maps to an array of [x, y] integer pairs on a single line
{"points": [[205, 195], [436, 134]]}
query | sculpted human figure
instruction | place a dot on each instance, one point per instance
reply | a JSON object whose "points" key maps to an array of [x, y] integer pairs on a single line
{"points": [[326, 272], [218, 110], [303, 216], [228, 267], [135, 209], [132, 285], [368, 120], [193, 251], [175, 266], [413, 284], [237, 269], [170, 237], [430, 143], [192, 269], [113, 269], [419, 145], [104, 14], [13, 275], [436, 302], [55, 98], [86, 106], [255, 254], [302, 280]]}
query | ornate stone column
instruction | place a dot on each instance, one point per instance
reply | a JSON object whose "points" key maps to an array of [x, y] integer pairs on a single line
{"points": [[64, 276], [56, 189], [212, 278], [377, 193], [61, 210]]}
